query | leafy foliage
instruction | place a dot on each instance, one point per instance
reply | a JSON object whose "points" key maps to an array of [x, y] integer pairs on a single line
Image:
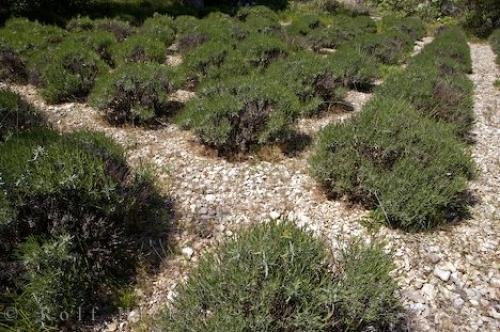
{"points": [[101, 42], [276, 277], [309, 77], [408, 166], [16, 114], [344, 29], [159, 27], [136, 93], [435, 82], [75, 207], [235, 114], [138, 48], [354, 68], [68, 72], [28, 38]]}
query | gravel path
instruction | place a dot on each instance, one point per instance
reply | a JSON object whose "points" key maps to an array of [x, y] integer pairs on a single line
{"points": [[450, 277]]}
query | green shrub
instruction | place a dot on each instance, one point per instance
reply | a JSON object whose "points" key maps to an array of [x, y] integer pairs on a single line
{"points": [[159, 27], [304, 24], [343, 29], [353, 68], [16, 114], [241, 112], [12, 66], [81, 24], [413, 27], [100, 42], [120, 29], [276, 277], [259, 19], [27, 38], [435, 83], [139, 48], [68, 72], [184, 23], [216, 27], [443, 97], [409, 167], [482, 16], [308, 76], [136, 93], [450, 44], [77, 209], [200, 61], [261, 49], [495, 43], [388, 48]]}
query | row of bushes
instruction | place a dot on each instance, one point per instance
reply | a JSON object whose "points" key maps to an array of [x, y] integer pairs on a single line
{"points": [[216, 49], [404, 154], [75, 221], [260, 61], [277, 277]]}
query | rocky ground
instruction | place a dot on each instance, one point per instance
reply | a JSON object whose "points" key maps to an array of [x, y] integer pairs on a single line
{"points": [[450, 277]]}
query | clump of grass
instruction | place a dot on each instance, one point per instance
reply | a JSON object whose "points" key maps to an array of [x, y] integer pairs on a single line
{"points": [[276, 277]]}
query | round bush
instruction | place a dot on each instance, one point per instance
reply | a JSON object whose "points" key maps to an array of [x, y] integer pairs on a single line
{"points": [[239, 113], [16, 114], [259, 19], [276, 277], [28, 38], [411, 168], [139, 48], [389, 47], [68, 72], [262, 49], [343, 29], [159, 27], [307, 75], [80, 223], [354, 68], [304, 24], [136, 93], [100, 42], [120, 29]]}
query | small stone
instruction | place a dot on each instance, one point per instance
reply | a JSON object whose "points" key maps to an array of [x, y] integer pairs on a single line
{"points": [[429, 291], [133, 316], [188, 252], [458, 303], [274, 215], [210, 198], [444, 275], [112, 327], [434, 258]]}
